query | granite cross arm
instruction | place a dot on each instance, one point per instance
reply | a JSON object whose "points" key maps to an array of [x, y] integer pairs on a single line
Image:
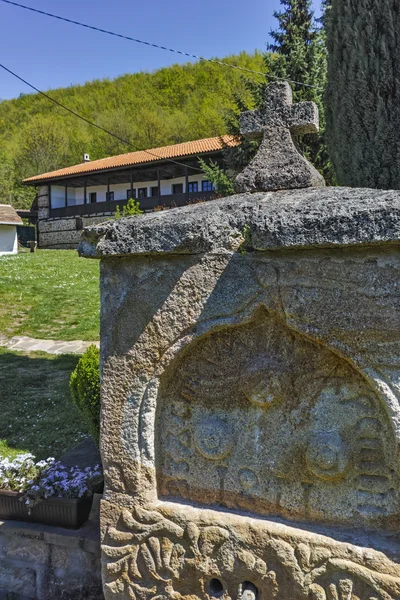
{"points": [[278, 164]]}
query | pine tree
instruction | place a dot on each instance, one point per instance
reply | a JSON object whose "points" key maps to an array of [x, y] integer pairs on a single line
{"points": [[363, 93], [291, 54], [298, 53], [326, 6]]}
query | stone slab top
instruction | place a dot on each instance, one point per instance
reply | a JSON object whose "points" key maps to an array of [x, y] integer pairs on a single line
{"points": [[291, 219]]}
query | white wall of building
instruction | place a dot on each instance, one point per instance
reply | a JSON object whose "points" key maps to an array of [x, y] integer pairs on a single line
{"points": [[8, 239], [76, 195], [100, 190]]}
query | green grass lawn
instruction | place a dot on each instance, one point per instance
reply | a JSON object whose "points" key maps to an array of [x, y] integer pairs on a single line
{"points": [[37, 414], [49, 294]]}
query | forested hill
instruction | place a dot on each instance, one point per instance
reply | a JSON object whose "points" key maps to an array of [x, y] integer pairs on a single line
{"points": [[171, 105]]}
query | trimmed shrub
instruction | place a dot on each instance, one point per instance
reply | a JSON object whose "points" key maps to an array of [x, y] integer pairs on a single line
{"points": [[85, 389]]}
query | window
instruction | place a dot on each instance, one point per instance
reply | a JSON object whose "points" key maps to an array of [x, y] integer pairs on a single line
{"points": [[142, 193], [93, 197], [154, 190], [57, 195], [110, 196], [130, 194], [193, 186], [206, 186], [177, 188]]}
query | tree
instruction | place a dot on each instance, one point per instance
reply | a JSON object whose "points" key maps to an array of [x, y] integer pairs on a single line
{"points": [[6, 178], [291, 54], [223, 183], [298, 54], [23, 196], [326, 6], [42, 146], [363, 93], [118, 122], [11, 192]]}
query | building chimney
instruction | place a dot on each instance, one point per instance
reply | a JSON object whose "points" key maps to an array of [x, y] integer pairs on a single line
{"points": [[86, 158]]}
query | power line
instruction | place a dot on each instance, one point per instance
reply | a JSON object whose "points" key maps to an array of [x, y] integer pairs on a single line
{"points": [[117, 137], [151, 44]]}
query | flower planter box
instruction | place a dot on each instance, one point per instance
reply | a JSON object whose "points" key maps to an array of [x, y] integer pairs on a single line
{"points": [[60, 512]]}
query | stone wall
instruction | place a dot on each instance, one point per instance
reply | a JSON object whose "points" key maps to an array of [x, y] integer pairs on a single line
{"points": [[38, 562], [43, 202], [64, 234], [61, 233]]}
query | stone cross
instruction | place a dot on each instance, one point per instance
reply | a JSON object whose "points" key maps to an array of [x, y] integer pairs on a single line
{"points": [[278, 164]]}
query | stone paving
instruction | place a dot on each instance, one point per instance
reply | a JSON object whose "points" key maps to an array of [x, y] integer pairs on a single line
{"points": [[28, 344]]}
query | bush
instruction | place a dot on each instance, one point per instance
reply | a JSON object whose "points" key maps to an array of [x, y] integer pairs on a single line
{"points": [[85, 389], [132, 209], [222, 182]]}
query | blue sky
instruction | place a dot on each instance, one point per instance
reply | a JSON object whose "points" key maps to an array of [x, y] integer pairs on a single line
{"points": [[53, 54]]}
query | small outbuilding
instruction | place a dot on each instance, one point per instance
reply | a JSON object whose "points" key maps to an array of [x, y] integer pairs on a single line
{"points": [[8, 229]]}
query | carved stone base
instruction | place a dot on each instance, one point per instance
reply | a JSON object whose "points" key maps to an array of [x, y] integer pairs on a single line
{"points": [[175, 551], [251, 399]]}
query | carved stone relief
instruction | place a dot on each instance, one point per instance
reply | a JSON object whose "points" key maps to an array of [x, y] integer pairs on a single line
{"points": [[251, 401], [153, 554], [258, 417]]}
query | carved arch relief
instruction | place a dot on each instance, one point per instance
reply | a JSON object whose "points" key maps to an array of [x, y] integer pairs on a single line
{"points": [[257, 417]]}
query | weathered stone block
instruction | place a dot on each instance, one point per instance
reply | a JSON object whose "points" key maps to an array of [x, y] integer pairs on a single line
{"points": [[70, 558], [33, 551], [39, 562], [21, 582], [250, 398]]}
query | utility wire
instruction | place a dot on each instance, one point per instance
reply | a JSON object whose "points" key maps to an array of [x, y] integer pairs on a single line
{"points": [[117, 137], [131, 39]]}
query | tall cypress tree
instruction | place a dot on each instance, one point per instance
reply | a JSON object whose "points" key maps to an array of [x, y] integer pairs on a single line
{"points": [[363, 93]]}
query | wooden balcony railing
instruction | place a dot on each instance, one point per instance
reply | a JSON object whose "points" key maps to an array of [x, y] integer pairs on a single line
{"points": [[146, 204]]}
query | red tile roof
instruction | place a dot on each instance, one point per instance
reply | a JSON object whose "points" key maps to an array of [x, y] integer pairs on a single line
{"points": [[8, 216], [175, 151]]}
